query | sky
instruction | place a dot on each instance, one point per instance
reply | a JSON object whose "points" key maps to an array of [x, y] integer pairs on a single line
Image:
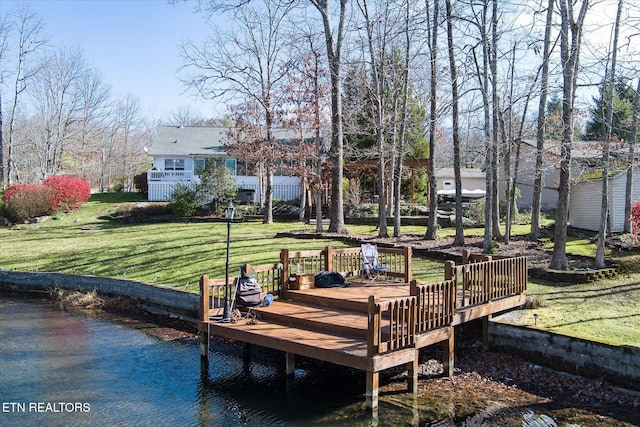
{"points": [[134, 44]]}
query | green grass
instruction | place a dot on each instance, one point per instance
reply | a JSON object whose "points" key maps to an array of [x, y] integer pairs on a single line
{"points": [[606, 311], [178, 253], [175, 254]]}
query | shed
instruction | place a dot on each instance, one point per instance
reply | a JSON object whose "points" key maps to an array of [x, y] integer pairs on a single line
{"points": [[586, 200]]}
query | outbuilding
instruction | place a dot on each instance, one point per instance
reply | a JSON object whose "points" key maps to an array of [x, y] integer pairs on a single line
{"points": [[586, 201]]}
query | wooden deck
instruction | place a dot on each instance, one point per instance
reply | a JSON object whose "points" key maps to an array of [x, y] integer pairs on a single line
{"points": [[367, 326]]}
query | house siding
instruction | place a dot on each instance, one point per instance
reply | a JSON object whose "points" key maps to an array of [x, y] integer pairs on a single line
{"points": [[586, 200]]}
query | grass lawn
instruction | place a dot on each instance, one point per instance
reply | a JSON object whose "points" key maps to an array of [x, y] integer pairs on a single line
{"points": [[178, 253]]}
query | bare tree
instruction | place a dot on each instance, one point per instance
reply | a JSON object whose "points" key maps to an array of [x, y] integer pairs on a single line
{"points": [[433, 25], [459, 237], [185, 116], [403, 118], [4, 37], [248, 61], [541, 125], [334, 52], [30, 41], [604, 212], [570, 41], [377, 69]]}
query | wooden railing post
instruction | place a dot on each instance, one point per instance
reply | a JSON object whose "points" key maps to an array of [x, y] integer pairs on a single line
{"points": [[408, 269], [373, 326], [449, 270], [328, 258], [284, 285], [466, 256]]}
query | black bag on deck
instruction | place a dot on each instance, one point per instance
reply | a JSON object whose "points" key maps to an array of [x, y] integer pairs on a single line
{"points": [[330, 279], [248, 293]]}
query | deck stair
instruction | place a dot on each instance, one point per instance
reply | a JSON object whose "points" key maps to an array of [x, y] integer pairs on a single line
{"points": [[312, 317]]}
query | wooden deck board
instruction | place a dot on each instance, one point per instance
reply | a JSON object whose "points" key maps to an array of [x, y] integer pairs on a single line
{"points": [[325, 318]]}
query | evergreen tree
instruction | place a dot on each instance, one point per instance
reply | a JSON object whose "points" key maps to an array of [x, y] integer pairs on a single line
{"points": [[623, 97]]}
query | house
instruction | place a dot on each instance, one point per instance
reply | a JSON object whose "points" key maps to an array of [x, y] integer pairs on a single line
{"points": [[585, 157], [473, 183], [180, 151], [586, 201]]}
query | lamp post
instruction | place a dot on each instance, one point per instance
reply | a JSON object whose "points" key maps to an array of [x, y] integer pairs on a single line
{"points": [[228, 214]]}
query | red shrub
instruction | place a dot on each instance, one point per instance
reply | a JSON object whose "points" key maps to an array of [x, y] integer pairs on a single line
{"points": [[17, 188], [635, 219], [70, 192], [24, 202]]}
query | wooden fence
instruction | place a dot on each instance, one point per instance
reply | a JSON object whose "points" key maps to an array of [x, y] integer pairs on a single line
{"points": [[481, 282], [436, 303], [391, 325], [347, 261], [212, 291]]}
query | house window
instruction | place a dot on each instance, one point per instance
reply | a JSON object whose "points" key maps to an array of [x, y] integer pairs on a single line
{"points": [[199, 164], [174, 164], [231, 165]]}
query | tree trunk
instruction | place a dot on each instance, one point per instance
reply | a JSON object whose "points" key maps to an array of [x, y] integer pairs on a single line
{"points": [[604, 209], [540, 136], [336, 153], [570, 41], [459, 238], [403, 125], [432, 225]]}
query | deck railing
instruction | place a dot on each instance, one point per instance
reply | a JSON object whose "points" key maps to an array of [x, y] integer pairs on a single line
{"points": [[391, 324], [484, 281], [212, 291], [169, 175], [436, 304], [347, 261]]}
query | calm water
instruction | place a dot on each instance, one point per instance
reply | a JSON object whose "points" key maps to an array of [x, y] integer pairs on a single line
{"points": [[70, 368], [66, 368]]}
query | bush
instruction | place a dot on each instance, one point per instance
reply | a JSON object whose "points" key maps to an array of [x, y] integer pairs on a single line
{"points": [[27, 201], [140, 183], [70, 192], [635, 219], [184, 201]]}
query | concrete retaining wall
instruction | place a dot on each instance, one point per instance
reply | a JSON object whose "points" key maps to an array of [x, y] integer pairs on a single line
{"points": [[616, 364], [156, 297]]}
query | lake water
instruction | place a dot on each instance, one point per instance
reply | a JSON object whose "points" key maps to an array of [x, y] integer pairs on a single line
{"points": [[68, 368], [77, 368]]}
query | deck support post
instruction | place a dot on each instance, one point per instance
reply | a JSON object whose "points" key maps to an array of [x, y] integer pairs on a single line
{"points": [[203, 308], [204, 341], [290, 364], [373, 382], [412, 374], [448, 353], [485, 332]]}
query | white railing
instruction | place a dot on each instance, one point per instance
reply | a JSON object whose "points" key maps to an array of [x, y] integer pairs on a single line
{"points": [[161, 184], [157, 175]]}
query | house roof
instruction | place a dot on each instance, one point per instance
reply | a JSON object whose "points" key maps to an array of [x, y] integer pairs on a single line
{"points": [[197, 140], [464, 173], [187, 140], [582, 150]]}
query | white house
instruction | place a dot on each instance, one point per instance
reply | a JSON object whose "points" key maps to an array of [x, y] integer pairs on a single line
{"points": [[586, 201], [180, 151], [473, 183]]}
